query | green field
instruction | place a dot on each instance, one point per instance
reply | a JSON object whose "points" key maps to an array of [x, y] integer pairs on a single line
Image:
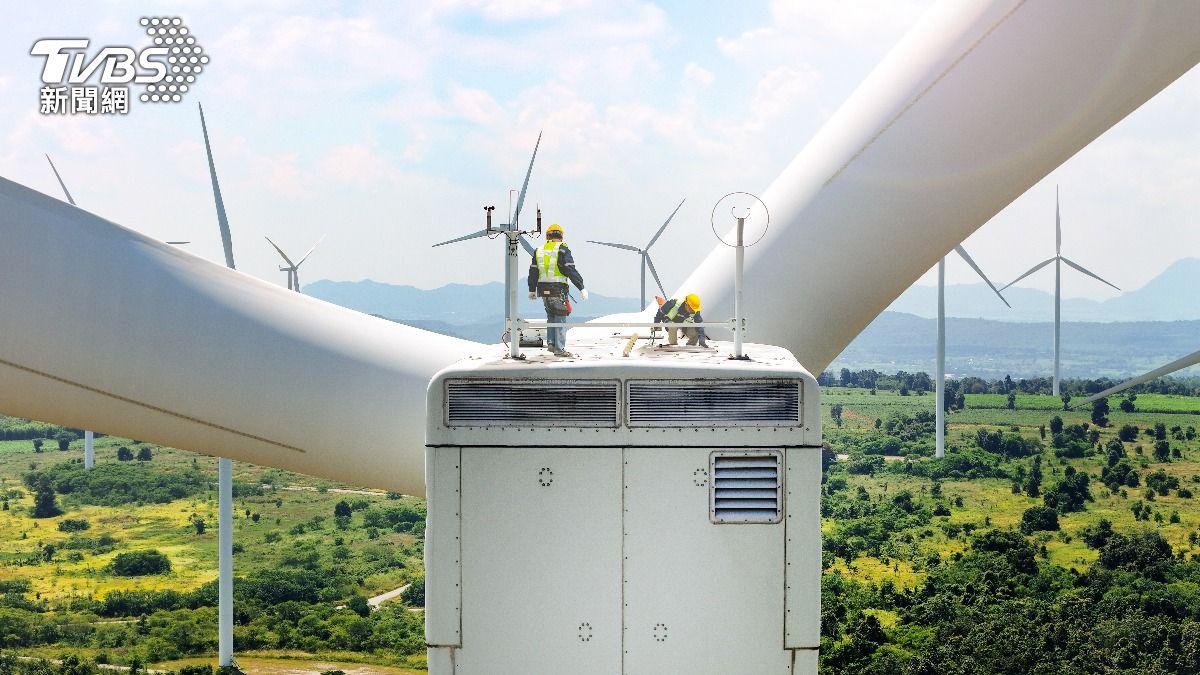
{"points": [[898, 540]]}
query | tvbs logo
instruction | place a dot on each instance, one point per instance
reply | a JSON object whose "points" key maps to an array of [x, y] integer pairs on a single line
{"points": [[167, 69]]}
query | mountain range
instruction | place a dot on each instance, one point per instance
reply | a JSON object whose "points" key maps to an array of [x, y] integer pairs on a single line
{"points": [[1170, 296], [1131, 333]]}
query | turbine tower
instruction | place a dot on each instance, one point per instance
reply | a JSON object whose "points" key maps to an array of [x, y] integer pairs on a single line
{"points": [[645, 253], [940, 383], [1058, 261], [224, 466], [293, 268], [89, 438]]}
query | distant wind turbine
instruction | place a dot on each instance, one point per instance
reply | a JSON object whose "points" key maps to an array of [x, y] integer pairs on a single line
{"points": [[940, 383], [224, 466], [645, 253], [89, 438], [1058, 259], [293, 268]]}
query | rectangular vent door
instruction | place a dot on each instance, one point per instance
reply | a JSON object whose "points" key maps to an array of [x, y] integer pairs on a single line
{"points": [[684, 403], [746, 487], [533, 403]]}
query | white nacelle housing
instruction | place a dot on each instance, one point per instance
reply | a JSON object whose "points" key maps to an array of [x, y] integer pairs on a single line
{"points": [[657, 513]]}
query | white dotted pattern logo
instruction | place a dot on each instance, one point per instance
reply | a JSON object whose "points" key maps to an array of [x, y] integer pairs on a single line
{"points": [[185, 59]]}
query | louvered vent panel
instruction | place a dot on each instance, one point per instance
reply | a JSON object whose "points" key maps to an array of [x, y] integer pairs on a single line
{"points": [[672, 403], [746, 488], [553, 403]]}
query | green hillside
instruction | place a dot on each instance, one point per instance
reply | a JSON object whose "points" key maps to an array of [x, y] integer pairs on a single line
{"points": [[968, 564]]}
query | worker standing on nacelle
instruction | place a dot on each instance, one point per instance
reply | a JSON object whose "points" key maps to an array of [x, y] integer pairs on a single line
{"points": [[685, 311], [551, 268]]}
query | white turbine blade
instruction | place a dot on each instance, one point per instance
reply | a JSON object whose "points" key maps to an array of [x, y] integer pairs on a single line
{"points": [[1090, 274], [516, 219], [1031, 271], [654, 273], [222, 219], [314, 247], [879, 193], [60, 181], [1057, 224], [281, 253], [1178, 364], [203, 358], [627, 247], [963, 252], [473, 235], [664, 225]]}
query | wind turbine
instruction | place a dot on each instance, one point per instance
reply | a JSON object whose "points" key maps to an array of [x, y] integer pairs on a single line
{"points": [[89, 438], [645, 253], [1178, 364], [869, 187], [940, 383], [512, 231], [224, 466], [293, 268], [1058, 260]]}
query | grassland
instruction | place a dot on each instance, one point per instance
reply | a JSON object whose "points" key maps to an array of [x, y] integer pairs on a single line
{"points": [[991, 502]]}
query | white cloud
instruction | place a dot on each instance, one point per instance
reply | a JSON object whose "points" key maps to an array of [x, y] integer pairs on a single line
{"points": [[696, 76]]}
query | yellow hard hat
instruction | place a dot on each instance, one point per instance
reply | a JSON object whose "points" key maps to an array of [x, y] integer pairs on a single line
{"points": [[554, 228], [693, 301]]}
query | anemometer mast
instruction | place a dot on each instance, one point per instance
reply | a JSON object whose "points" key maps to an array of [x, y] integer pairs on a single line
{"points": [[739, 246], [513, 235]]}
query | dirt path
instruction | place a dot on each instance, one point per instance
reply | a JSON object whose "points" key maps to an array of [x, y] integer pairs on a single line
{"points": [[378, 600], [340, 491]]}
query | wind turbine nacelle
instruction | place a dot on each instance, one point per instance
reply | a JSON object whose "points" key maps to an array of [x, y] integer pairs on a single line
{"points": [[600, 514]]}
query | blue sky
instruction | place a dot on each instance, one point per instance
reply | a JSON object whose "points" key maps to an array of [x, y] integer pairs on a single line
{"points": [[389, 125]]}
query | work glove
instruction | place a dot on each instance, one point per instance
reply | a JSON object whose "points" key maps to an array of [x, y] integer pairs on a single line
{"points": [[583, 293], [532, 295]]}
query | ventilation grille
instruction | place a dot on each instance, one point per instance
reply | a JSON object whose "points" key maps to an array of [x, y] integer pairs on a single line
{"points": [[746, 488], [545, 403], [675, 403]]}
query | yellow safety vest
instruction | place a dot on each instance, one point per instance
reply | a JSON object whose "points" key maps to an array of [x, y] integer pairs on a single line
{"points": [[548, 271], [674, 311]]}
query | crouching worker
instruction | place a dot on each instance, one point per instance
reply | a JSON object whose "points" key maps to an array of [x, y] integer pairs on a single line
{"points": [[685, 311], [552, 267]]}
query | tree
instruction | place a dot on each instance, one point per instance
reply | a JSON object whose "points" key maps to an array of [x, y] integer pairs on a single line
{"points": [[1039, 519], [124, 454], [359, 605], [64, 439], [1056, 425], [1160, 431], [1033, 481], [414, 595], [1128, 433], [1127, 403], [1100, 412], [1162, 451], [1070, 493], [342, 510], [140, 563], [144, 454], [1066, 399], [37, 444], [44, 504], [1012, 401], [198, 523]]}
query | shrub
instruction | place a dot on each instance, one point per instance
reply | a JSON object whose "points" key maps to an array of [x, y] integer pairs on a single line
{"points": [[1039, 519], [73, 525], [1128, 433], [140, 563]]}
